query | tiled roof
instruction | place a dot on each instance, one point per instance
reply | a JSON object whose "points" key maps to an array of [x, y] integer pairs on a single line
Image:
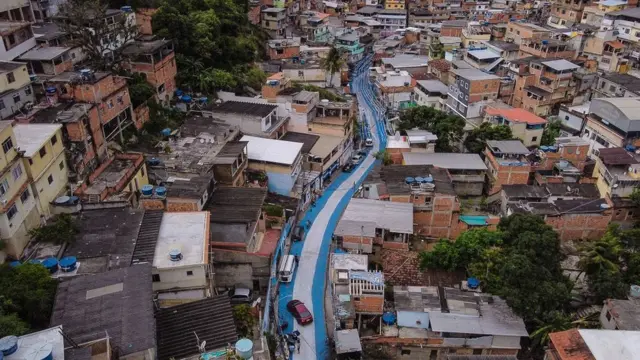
{"points": [[517, 115], [570, 345], [403, 268], [440, 65]]}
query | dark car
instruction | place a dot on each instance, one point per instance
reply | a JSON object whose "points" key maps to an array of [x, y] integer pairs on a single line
{"points": [[300, 312], [348, 168], [298, 233]]}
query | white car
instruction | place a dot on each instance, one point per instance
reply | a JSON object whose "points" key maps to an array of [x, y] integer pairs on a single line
{"points": [[368, 142], [356, 159]]}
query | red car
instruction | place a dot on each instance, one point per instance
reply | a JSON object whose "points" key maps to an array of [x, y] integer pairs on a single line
{"points": [[300, 312]]}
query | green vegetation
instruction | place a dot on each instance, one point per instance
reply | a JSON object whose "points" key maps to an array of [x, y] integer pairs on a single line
{"points": [[139, 89], [215, 43], [477, 139], [333, 63], [273, 210], [447, 127], [551, 132], [324, 93], [245, 319], [384, 156], [62, 229], [26, 298]]}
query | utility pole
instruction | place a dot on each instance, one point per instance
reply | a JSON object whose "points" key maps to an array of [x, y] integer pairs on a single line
{"points": [[406, 8]]}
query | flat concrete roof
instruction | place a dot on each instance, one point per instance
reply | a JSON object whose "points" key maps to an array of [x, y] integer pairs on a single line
{"points": [[325, 145], [36, 345], [184, 231], [458, 161], [272, 151], [349, 261], [30, 138], [608, 344], [363, 216], [45, 53]]}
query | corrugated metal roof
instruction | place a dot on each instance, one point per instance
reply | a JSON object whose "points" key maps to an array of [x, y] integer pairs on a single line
{"points": [[364, 215], [272, 151]]}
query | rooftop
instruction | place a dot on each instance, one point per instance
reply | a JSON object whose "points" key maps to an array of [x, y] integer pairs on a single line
{"points": [[236, 205], [349, 262], [347, 341], [47, 31], [117, 304], [503, 45], [621, 112], [434, 86], [516, 115], [483, 54], [30, 138], [325, 145], [603, 344], [625, 313], [272, 151], [507, 147], [616, 156], [629, 82], [458, 161], [188, 188], [36, 344], [7, 66], [633, 13], [406, 61], [394, 178], [106, 238], [363, 216], [147, 237], [474, 74], [440, 65], [116, 174], [211, 319], [278, 43], [69, 76], [307, 140], [520, 191], [416, 298], [570, 345], [246, 108], [44, 53], [144, 47], [187, 232], [561, 65]]}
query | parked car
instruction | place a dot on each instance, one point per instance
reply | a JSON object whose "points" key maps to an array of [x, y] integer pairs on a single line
{"points": [[368, 142], [298, 233], [239, 295], [300, 312], [348, 168], [356, 158]]}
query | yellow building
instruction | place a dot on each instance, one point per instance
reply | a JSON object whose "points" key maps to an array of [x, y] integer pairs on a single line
{"points": [[617, 171], [394, 4], [44, 158], [18, 210], [15, 88]]}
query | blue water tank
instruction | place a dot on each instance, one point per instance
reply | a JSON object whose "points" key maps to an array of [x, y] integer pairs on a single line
{"points": [[73, 199], [51, 264], [147, 190], [473, 283], [428, 179], [203, 99], [409, 180], [15, 263], [186, 98], [166, 132], [44, 353], [8, 345], [389, 318], [126, 9], [175, 255], [179, 92], [563, 164], [68, 264], [630, 148], [161, 191], [553, 148], [244, 348], [419, 179], [544, 148], [51, 90], [153, 161], [545, 42]]}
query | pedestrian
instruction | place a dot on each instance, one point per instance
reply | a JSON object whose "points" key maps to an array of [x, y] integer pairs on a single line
{"points": [[296, 258], [308, 224]]}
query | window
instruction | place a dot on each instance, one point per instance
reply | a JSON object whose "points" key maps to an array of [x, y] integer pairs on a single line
{"points": [[155, 277], [534, 138], [405, 352], [73, 55], [54, 139], [612, 88], [4, 187], [12, 39], [13, 210], [11, 78], [142, 171], [161, 89], [50, 179], [485, 98], [25, 196], [300, 73], [477, 351], [518, 32], [27, 90], [61, 165], [16, 98], [189, 273], [42, 152], [564, 11], [2, 104], [626, 31], [16, 172], [7, 145]]}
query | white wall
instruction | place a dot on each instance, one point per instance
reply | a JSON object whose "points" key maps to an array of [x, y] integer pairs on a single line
{"points": [[176, 277], [16, 51], [570, 120]]}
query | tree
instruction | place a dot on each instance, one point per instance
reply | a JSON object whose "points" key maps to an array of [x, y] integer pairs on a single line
{"points": [[448, 128], [551, 132], [635, 197], [139, 89], [11, 324], [476, 140], [27, 291], [333, 63], [557, 321], [458, 255], [601, 256], [101, 41], [245, 319], [383, 156], [62, 229]]}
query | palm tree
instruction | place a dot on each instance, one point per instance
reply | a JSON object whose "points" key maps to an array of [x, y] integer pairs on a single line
{"points": [[559, 321], [333, 62], [602, 255]]}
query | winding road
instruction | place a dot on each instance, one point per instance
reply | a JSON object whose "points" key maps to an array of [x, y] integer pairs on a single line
{"points": [[309, 281]]}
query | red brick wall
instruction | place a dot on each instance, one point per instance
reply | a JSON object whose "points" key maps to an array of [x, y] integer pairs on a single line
{"points": [[580, 226], [288, 53], [95, 93], [114, 105], [181, 205], [140, 116], [143, 20], [507, 175], [368, 304], [451, 31]]}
